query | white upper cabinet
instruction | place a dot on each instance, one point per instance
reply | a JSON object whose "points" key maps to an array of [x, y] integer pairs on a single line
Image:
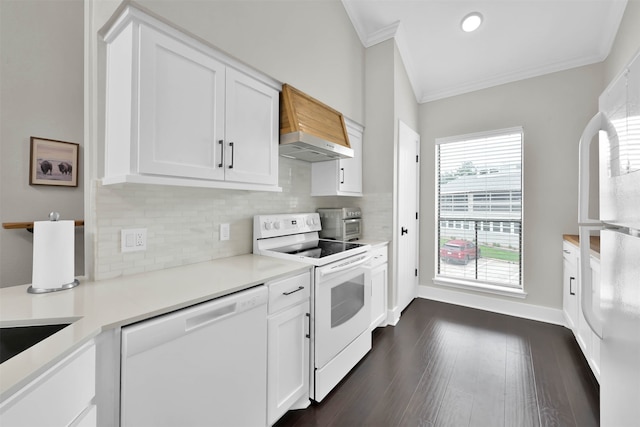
{"points": [[178, 112], [181, 109], [252, 117], [340, 177]]}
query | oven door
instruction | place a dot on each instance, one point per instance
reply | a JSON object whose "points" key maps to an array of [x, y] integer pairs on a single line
{"points": [[351, 229], [342, 305]]}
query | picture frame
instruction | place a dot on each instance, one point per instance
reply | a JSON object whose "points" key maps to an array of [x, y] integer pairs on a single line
{"points": [[53, 162]]}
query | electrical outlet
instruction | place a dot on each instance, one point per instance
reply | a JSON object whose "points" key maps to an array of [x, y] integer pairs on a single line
{"points": [[224, 231], [133, 239]]}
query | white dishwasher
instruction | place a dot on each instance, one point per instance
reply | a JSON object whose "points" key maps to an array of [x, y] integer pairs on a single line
{"points": [[205, 365]]}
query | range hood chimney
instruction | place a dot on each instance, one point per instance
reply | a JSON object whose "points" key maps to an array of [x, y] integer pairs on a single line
{"points": [[310, 130]]}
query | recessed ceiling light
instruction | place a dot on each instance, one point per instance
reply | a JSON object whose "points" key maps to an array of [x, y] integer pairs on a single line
{"points": [[471, 22]]}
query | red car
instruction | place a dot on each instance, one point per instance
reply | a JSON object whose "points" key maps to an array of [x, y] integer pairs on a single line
{"points": [[459, 251]]}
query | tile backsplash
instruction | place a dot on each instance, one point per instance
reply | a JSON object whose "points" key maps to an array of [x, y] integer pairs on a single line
{"points": [[183, 223]]}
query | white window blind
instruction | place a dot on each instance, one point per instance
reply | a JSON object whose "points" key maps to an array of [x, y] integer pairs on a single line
{"points": [[479, 211]]}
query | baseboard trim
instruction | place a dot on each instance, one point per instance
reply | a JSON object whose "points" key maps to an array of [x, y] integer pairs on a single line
{"points": [[495, 305]]}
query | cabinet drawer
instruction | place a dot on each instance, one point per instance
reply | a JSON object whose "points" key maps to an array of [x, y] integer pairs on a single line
{"points": [[287, 292], [378, 256]]}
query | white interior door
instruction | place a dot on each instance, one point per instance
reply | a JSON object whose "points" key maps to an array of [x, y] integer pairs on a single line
{"points": [[407, 234]]}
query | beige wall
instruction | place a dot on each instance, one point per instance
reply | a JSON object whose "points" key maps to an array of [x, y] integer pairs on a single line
{"points": [[307, 43], [41, 94], [553, 111], [389, 98], [626, 44]]}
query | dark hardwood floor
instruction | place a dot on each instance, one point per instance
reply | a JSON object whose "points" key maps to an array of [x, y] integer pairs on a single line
{"points": [[446, 365]]}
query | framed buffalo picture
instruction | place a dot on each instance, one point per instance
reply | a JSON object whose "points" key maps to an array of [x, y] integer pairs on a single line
{"points": [[53, 162]]}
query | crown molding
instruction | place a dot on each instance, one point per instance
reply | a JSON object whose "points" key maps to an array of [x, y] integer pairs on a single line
{"points": [[472, 86]]}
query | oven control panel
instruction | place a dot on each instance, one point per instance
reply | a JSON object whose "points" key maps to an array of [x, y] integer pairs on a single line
{"points": [[265, 226]]}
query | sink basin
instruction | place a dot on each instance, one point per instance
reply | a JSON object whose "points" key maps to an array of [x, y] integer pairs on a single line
{"points": [[17, 339]]}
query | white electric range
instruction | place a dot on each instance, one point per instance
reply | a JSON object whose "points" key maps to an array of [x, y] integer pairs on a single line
{"points": [[340, 297]]}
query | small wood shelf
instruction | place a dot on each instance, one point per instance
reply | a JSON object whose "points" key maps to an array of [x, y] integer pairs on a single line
{"points": [[29, 225]]}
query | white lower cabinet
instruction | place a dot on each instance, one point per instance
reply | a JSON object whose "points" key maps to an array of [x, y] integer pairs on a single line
{"points": [[588, 341], [62, 396], [379, 288], [570, 284], [288, 345]]}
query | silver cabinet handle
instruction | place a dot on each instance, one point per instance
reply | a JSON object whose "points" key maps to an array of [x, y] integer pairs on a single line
{"points": [[342, 172], [293, 291], [566, 251], [571, 279]]}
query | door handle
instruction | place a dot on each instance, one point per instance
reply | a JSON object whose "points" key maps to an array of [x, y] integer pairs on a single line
{"points": [[221, 153], [403, 231], [232, 151]]}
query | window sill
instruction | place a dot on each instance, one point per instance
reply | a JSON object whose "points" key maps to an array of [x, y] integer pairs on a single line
{"points": [[479, 287]]}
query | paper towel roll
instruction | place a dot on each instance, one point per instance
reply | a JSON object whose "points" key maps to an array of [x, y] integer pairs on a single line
{"points": [[53, 254]]}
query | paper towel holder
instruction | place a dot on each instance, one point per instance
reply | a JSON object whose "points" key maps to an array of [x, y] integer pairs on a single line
{"points": [[53, 216], [33, 290]]}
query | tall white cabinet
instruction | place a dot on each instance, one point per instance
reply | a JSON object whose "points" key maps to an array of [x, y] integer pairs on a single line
{"points": [[341, 177], [179, 112]]}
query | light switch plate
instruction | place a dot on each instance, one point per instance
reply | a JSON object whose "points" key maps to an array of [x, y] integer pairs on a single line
{"points": [[133, 239], [224, 231]]}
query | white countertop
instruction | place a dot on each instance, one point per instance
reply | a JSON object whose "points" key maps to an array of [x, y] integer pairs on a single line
{"points": [[372, 242], [97, 306]]}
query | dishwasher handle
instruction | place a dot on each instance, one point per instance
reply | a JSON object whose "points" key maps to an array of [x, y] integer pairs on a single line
{"points": [[209, 317]]}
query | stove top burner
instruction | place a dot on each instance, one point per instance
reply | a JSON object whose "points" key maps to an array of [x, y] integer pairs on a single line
{"points": [[319, 248]]}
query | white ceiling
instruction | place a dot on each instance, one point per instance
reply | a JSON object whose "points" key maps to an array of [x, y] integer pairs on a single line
{"points": [[518, 39]]}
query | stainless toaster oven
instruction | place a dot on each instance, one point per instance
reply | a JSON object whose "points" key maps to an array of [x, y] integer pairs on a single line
{"points": [[343, 224]]}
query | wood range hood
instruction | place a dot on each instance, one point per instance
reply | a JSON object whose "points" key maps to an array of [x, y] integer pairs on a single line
{"points": [[310, 130]]}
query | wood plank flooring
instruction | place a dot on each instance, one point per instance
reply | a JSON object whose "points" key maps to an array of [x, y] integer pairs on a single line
{"points": [[446, 365]]}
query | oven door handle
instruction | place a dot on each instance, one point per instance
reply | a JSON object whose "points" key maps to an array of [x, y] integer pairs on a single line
{"points": [[341, 268]]}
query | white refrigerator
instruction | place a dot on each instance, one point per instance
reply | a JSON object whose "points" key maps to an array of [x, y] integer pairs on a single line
{"points": [[613, 313]]}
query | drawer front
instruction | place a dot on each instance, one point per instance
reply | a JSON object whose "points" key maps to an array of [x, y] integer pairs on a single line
{"points": [[287, 292], [378, 256]]}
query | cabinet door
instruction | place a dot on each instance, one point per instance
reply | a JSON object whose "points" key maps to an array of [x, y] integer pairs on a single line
{"points": [[58, 397], [350, 179], [251, 143], [378, 295], [570, 286], [340, 177], [181, 109], [288, 360]]}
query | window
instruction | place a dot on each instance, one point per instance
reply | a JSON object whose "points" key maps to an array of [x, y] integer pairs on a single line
{"points": [[479, 211]]}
